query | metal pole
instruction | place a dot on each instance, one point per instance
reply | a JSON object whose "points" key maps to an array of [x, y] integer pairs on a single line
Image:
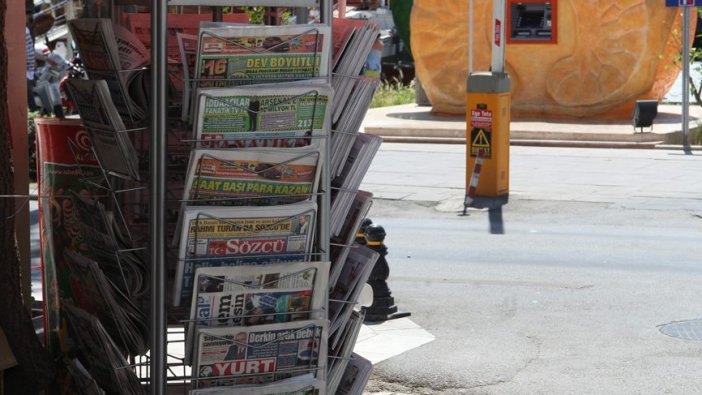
{"points": [[470, 37], [303, 15], [686, 76], [326, 17], [159, 14], [217, 14], [326, 12], [498, 36]]}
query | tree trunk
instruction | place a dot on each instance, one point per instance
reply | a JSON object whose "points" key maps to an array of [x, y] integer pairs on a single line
{"points": [[34, 370]]}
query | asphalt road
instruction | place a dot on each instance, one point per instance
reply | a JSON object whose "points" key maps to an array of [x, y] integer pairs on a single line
{"points": [[562, 290]]}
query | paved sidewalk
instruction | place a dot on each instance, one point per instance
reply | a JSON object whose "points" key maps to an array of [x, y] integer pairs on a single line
{"points": [[415, 124]]}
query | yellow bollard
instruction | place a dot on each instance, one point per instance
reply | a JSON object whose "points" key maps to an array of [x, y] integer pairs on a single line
{"points": [[487, 128]]}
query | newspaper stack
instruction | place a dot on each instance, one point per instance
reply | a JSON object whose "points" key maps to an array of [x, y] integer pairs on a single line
{"points": [[341, 244], [256, 295], [121, 318], [244, 55], [234, 236], [187, 46], [260, 354], [288, 114], [344, 297], [356, 376], [345, 185], [261, 177], [82, 383], [348, 126], [353, 42], [112, 53], [125, 269], [178, 24], [100, 355], [111, 143], [340, 353]]}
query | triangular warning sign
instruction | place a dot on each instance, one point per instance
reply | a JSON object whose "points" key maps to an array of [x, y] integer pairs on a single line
{"points": [[480, 140]]}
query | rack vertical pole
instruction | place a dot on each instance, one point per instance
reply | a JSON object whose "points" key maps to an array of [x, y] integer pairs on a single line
{"points": [[159, 14], [686, 76], [326, 17]]}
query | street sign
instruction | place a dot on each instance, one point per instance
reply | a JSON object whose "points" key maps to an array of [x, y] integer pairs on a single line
{"points": [[683, 3]]}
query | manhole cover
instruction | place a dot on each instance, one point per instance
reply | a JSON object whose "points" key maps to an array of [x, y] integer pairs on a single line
{"points": [[688, 330]]}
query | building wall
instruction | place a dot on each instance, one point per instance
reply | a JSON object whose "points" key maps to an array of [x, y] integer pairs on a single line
{"points": [[607, 55]]}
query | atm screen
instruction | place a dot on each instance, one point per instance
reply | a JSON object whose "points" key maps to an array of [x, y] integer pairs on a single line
{"points": [[531, 21]]}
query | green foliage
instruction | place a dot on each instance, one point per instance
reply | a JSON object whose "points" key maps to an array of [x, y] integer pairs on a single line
{"points": [[393, 94], [286, 16], [695, 136], [256, 14]]}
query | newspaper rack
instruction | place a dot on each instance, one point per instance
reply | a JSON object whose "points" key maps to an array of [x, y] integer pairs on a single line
{"points": [[115, 183]]}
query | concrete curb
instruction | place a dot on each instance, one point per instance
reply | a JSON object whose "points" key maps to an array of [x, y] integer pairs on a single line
{"points": [[545, 143], [414, 124]]}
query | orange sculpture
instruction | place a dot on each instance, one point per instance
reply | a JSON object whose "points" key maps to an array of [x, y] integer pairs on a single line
{"points": [[608, 54]]}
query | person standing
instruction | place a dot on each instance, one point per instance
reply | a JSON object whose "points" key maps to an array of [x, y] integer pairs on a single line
{"points": [[31, 62], [252, 110]]}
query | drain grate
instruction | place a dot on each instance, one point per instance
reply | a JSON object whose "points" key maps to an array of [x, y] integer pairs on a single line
{"points": [[688, 330]]}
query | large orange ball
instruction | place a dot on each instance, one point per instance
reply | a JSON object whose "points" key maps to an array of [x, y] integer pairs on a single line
{"points": [[608, 54]]}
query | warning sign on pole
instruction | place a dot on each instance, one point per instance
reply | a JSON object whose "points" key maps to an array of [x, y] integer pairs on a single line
{"points": [[480, 131], [481, 140]]}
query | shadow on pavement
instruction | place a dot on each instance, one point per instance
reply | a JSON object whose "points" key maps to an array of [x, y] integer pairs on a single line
{"points": [[494, 206]]}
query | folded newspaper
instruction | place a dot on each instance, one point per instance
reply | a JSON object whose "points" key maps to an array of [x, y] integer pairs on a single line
{"points": [[112, 53], [251, 54], [350, 58], [356, 376], [344, 296], [255, 295], [345, 185], [266, 115], [120, 317], [187, 46], [122, 265], [231, 236], [260, 354], [340, 354], [342, 243], [111, 142], [99, 354], [348, 126], [252, 177], [298, 385]]}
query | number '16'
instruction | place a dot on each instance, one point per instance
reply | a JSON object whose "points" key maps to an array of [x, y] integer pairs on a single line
{"points": [[215, 67]]}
